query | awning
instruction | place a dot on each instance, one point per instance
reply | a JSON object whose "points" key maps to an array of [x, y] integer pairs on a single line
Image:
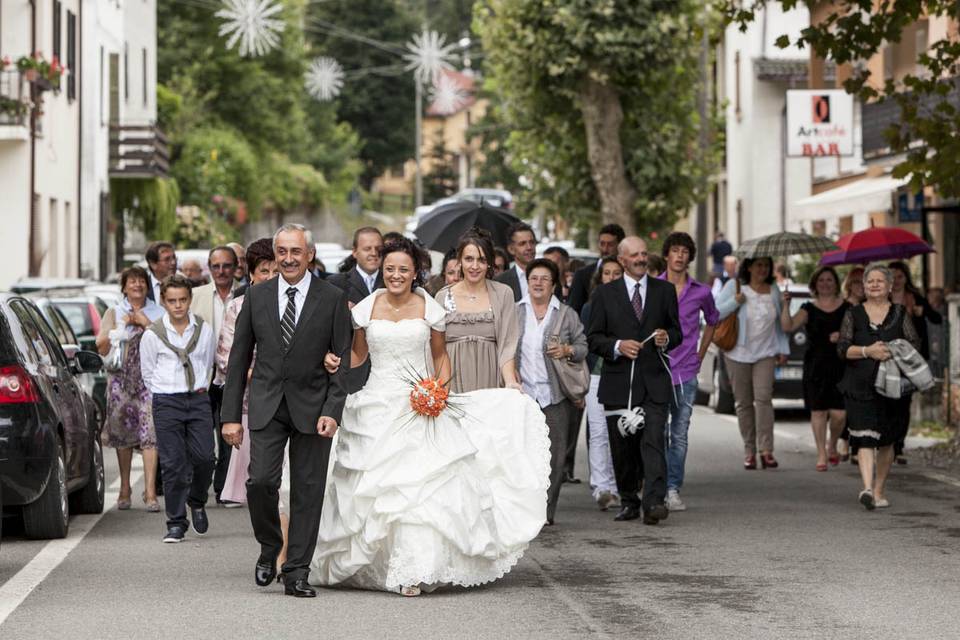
{"points": [[869, 195]]}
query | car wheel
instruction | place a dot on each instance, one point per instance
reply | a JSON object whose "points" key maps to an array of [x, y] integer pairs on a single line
{"points": [[48, 516], [90, 498]]}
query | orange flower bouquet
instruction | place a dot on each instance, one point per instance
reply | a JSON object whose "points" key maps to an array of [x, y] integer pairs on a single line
{"points": [[429, 397]]}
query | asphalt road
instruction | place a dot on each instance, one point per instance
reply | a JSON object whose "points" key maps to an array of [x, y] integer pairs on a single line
{"points": [[764, 554]]}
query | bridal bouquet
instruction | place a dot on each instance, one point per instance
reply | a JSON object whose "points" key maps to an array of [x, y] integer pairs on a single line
{"points": [[429, 397]]}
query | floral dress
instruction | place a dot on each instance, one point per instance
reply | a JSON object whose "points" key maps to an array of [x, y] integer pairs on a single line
{"points": [[129, 417]]}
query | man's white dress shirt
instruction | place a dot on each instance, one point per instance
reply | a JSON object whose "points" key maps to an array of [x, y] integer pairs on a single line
{"points": [[302, 287], [160, 367], [631, 285], [369, 279], [522, 276]]}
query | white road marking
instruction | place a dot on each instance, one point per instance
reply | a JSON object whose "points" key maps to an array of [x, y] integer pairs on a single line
{"points": [[17, 588], [780, 433], [571, 602], [939, 477]]}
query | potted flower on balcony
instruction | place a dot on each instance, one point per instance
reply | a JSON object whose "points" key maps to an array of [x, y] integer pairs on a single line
{"points": [[5, 62], [31, 66]]}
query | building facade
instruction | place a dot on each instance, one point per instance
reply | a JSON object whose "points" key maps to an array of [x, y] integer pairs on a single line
{"points": [[40, 146]]}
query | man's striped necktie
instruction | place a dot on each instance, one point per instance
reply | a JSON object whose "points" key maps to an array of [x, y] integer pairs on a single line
{"points": [[288, 323]]}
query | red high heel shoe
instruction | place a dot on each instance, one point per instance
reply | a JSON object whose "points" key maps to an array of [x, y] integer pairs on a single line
{"points": [[750, 462], [767, 461]]}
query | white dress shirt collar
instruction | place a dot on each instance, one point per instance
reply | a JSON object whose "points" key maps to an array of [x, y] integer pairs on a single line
{"points": [[302, 287], [631, 285], [522, 277], [369, 279]]}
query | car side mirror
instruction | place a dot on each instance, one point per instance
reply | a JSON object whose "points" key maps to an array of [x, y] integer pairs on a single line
{"points": [[70, 350], [87, 362]]}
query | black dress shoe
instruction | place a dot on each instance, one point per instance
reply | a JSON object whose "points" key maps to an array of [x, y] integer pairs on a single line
{"points": [[299, 588], [628, 512], [655, 514], [198, 520], [265, 572], [570, 479]]}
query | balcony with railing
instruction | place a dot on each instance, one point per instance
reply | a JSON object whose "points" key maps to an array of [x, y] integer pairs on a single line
{"points": [[15, 106], [138, 151]]}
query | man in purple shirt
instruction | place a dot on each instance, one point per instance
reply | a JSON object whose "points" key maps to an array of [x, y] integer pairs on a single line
{"points": [[693, 299]]}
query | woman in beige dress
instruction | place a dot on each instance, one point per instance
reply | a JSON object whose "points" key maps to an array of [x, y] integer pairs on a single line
{"points": [[481, 321]]}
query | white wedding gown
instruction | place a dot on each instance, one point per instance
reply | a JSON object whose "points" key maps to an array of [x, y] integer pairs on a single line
{"points": [[418, 501]]}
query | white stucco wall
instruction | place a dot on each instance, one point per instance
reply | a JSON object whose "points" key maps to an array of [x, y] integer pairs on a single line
{"points": [[140, 34], [756, 172], [103, 35], [56, 159]]}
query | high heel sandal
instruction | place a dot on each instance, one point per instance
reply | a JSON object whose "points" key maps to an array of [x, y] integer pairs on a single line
{"points": [[123, 504], [767, 461], [409, 592], [750, 462], [152, 505], [821, 466]]}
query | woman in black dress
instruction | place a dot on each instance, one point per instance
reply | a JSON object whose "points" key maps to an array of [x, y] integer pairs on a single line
{"points": [[822, 367], [876, 422]]}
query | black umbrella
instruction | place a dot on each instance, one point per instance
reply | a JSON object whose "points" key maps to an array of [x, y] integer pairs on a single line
{"points": [[440, 230]]}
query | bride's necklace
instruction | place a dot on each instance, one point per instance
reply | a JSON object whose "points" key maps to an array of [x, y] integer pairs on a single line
{"points": [[403, 304]]}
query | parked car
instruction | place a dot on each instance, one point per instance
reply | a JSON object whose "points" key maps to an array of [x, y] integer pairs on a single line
{"points": [[95, 384], [27, 285], [713, 384], [109, 293], [51, 460]]}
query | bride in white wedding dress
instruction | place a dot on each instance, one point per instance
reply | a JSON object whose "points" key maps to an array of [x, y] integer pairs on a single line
{"points": [[415, 502]]}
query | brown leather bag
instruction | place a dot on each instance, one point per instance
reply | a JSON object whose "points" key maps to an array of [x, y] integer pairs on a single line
{"points": [[725, 335]]}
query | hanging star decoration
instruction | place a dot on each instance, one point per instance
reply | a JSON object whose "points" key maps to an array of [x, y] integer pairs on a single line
{"points": [[428, 55], [252, 24], [324, 78], [447, 95]]}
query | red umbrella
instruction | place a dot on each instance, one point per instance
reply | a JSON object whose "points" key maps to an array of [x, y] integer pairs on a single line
{"points": [[877, 243]]}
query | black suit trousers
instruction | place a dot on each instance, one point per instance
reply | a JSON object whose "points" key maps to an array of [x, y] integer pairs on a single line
{"points": [[223, 449], [640, 457], [309, 456]]}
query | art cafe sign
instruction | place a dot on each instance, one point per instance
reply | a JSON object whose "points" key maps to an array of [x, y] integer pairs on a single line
{"points": [[819, 123]]}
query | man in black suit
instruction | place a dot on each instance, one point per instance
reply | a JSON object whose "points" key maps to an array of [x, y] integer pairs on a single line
{"points": [[610, 237], [624, 314], [522, 247], [293, 321], [365, 277]]}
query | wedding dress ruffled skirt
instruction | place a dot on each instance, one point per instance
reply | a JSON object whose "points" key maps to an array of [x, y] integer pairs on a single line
{"points": [[419, 501]]}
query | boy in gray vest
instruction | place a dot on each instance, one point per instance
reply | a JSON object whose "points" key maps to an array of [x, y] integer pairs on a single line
{"points": [[176, 361]]}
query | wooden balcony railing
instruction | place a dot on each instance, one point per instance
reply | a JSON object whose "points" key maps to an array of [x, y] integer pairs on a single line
{"points": [[138, 151]]}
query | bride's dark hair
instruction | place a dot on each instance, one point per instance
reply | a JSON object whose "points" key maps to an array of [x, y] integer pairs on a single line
{"points": [[405, 245]]}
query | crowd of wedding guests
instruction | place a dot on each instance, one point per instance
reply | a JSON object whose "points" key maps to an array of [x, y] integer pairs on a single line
{"points": [[618, 340]]}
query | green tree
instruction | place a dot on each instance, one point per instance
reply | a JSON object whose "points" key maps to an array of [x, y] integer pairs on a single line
{"points": [[245, 128], [379, 104], [601, 100], [856, 30], [441, 182]]}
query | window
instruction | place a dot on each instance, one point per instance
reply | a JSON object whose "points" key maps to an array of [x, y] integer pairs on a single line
{"points": [[736, 85], [53, 247], [71, 56], [57, 17], [144, 76], [114, 88], [921, 44], [38, 351], [126, 72], [56, 353], [103, 87], [889, 61]]}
